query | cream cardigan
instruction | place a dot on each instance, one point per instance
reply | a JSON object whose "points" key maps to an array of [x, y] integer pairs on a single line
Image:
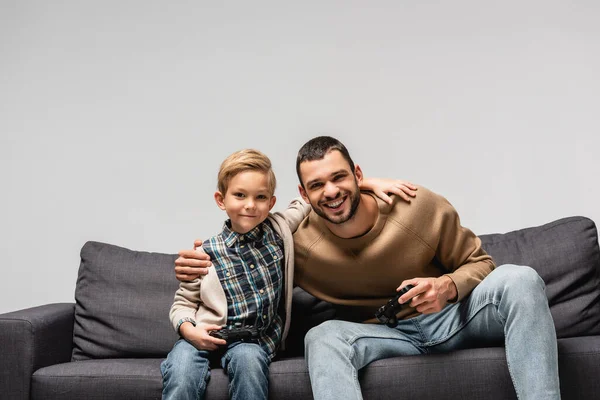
{"points": [[203, 299]]}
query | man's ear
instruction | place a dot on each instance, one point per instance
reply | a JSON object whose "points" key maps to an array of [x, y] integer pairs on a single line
{"points": [[358, 174], [219, 199], [303, 193], [272, 202]]}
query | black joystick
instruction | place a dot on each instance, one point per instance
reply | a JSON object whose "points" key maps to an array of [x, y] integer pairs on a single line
{"points": [[386, 314], [237, 333]]}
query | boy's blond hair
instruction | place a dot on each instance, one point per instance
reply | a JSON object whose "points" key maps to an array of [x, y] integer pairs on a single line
{"points": [[245, 160]]}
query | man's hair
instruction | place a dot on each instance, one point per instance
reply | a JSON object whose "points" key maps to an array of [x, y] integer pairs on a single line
{"points": [[317, 148], [245, 160]]}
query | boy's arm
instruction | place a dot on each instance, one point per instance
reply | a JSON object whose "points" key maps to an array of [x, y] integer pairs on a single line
{"points": [[185, 303], [183, 317], [297, 210], [198, 335], [381, 187]]}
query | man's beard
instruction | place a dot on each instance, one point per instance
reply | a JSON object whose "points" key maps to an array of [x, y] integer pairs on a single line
{"points": [[353, 197]]}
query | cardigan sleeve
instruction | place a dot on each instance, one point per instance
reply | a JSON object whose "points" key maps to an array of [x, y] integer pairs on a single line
{"points": [[186, 302], [297, 210]]}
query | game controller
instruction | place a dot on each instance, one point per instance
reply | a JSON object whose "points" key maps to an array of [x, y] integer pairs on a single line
{"points": [[237, 333], [386, 314]]}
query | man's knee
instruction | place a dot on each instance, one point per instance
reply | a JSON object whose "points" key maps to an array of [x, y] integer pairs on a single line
{"points": [[324, 331], [517, 284], [516, 277]]}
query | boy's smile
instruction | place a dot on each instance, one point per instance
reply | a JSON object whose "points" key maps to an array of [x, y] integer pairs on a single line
{"points": [[247, 201]]}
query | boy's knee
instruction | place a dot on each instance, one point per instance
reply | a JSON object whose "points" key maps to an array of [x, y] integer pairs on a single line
{"points": [[247, 354]]}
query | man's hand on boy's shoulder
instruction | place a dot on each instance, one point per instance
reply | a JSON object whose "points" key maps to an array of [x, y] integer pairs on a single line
{"points": [[193, 263]]}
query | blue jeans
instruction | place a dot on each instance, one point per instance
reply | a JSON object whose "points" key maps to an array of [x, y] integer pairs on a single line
{"points": [[508, 306], [186, 372]]}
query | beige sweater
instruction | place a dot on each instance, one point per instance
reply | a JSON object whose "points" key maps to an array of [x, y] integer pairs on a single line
{"points": [[204, 300], [423, 238]]}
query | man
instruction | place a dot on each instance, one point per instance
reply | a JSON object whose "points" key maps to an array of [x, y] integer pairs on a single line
{"points": [[354, 251]]}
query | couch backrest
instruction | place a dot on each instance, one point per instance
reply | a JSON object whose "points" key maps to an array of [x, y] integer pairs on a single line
{"points": [[122, 302], [123, 296], [566, 255]]}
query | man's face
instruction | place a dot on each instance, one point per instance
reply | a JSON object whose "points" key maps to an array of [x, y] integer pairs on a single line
{"points": [[331, 187]]}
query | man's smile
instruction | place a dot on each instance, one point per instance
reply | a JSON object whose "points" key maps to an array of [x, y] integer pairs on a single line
{"points": [[335, 203]]}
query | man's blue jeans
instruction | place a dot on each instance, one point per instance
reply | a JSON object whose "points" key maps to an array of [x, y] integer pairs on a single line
{"points": [[186, 372], [508, 306]]}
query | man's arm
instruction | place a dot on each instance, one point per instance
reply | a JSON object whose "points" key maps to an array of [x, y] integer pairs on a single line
{"points": [[429, 295], [460, 251], [457, 249], [192, 264]]}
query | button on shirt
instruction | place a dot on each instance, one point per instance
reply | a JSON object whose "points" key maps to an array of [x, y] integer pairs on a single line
{"points": [[249, 267]]}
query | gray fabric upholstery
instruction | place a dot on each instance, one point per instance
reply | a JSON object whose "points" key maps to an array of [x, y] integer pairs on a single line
{"points": [[99, 380], [566, 255], [122, 303], [579, 367], [465, 374], [95, 380], [30, 339]]}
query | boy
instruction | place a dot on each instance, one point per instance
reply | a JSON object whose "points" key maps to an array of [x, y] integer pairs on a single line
{"points": [[253, 271]]}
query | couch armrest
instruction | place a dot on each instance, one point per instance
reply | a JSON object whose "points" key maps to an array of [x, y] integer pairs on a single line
{"points": [[31, 339]]}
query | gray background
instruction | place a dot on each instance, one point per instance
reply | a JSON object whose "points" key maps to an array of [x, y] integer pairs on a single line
{"points": [[114, 116]]}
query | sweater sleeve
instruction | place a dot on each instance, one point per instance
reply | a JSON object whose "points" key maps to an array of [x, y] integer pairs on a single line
{"points": [[297, 210], [186, 302], [459, 250]]}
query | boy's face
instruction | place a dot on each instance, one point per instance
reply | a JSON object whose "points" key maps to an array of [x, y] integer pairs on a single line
{"points": [[247, 201]]}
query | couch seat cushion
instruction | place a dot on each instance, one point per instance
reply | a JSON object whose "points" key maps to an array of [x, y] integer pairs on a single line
{"points": [[109, 380]]}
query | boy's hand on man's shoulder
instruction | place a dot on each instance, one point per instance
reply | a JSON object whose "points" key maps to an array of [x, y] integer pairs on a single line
{"points": [[199, 336], [192, 263], [383, 187]]}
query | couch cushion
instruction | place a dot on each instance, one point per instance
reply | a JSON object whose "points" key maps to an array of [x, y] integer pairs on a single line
{"points": [[122, 303], [141, 379], [121, 379], [566, 255]]}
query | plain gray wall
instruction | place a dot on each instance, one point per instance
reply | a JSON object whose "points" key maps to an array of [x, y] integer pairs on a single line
{"points": [[115, 115]]}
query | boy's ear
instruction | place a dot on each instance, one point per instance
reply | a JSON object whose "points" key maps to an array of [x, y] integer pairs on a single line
{"points": [[272, 202], [303, 193], [358, 174], [219, 199]]}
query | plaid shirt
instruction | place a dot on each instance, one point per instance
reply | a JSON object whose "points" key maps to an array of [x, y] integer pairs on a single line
{"points": [[249, 267]]}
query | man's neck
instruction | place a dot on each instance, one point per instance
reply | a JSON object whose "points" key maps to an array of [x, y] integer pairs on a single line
{"points": [[363, 220]]}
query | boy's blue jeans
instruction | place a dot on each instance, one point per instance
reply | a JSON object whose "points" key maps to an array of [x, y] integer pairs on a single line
{"points": [[186, 371], [508, 306]]}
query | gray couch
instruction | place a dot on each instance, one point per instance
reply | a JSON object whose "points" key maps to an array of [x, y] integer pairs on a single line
{"points": [[109, 344]]}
